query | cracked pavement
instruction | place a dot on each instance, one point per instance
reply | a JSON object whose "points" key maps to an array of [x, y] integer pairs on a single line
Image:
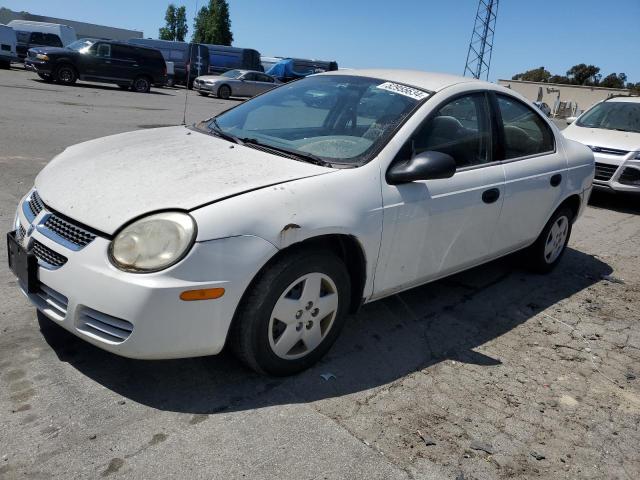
{"points": [[505, 373]]}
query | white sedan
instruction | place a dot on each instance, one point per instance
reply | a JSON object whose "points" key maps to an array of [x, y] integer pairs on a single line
{"points": [[612, 130], [263, 227]]}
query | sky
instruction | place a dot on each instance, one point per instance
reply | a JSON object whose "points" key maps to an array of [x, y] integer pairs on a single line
{"points": [[430, 35]]}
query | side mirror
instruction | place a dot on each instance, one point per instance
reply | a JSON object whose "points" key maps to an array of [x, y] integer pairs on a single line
{"points": [[424, 166], [570, 120]]}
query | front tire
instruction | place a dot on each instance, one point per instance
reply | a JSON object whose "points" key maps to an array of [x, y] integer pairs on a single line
{"points": [[224, 92], [545, 254], [293, 313], [66, 75]]}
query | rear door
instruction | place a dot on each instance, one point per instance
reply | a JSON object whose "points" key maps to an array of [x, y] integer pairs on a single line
{"points": [[535, 172], [124, 65]]}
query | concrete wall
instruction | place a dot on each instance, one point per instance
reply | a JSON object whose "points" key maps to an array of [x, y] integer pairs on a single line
{"points": [[557, 95], [82, 29]]}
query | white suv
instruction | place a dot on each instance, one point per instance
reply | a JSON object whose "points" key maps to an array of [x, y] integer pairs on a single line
{"points": [[612, 130]]}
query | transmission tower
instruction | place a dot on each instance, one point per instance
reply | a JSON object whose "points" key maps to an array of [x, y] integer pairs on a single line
{"points": [[481, 45]]}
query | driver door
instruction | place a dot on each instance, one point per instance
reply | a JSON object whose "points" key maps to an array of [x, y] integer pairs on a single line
{"points": [[433, 228]]}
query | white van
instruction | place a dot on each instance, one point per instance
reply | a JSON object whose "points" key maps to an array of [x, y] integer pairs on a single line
{"points": [[7, 46], [41, 34]]}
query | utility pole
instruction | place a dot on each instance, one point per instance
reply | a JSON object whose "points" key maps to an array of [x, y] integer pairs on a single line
{"points": [[481, 44]]}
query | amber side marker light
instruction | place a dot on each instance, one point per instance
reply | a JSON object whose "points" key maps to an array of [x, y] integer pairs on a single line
{"points": [[204, 294]]}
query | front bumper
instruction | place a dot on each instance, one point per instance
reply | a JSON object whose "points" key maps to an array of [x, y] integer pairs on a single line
{"points": [[205, 87], [37, 66], [617, 172], [141, 315]]}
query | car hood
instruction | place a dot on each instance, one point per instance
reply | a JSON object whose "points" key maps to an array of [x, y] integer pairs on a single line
{"points": [[104, 183], [214, 78], [599, 137], [53, 50]]}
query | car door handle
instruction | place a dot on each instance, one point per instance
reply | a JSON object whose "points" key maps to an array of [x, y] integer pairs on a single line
{"points": [[491, 195], [555, 180]]}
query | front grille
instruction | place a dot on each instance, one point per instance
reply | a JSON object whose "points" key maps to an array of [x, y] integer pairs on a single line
{"points": [[52, 303], [604, 172], [103, 326], [609, 151], [35, 204], [48, 256], [20, 233], [68, 231], [630, 176]]}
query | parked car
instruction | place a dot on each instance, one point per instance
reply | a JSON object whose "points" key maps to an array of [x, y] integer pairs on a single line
{"points": [[235, 83], [91, 60], [183, 55], [612, 130], [288, 69], [223, 58], [41, 34], [263, 226], [7, 46], [544, 108]]}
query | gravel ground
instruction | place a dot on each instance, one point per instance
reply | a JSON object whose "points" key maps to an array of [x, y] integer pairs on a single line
{"points": [[494, 373]]}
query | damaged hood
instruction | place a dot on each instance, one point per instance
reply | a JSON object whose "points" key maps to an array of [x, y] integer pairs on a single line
{"points": [[106, 182]]}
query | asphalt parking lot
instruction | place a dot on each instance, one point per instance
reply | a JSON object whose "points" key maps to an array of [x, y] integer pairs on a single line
{"points": [[494, 373]]}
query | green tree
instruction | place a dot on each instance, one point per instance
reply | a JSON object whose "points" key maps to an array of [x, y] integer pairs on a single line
{"points": [[559, 79], [535, 75], [213, 25], [176, 24], [583, 74], [613, 80]]}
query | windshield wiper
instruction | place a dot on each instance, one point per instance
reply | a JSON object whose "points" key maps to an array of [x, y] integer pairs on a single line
{"points": [[304, 156], [216, 130]]}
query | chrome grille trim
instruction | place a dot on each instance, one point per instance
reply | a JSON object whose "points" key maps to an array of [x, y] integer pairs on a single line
{"points": [[65, 233], [46, 257], [608, 151], [35, 204], [103, 326], [54, 227]]}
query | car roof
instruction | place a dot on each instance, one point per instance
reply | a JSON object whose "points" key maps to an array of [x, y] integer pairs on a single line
{"points": [[424, 80], [630, 99]]}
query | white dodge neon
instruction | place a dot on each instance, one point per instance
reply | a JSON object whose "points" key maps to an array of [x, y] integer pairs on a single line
{"points": [[264, 226]]}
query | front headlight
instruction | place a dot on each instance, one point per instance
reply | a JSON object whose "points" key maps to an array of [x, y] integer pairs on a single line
{"points": [[153, 243], [42, 56]]}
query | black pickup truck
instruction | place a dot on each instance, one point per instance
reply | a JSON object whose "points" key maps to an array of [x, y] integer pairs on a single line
{"points": [[128, 66]]}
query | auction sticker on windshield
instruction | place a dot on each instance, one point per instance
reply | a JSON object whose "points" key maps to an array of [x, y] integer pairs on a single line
{"points": [[403, 90]]}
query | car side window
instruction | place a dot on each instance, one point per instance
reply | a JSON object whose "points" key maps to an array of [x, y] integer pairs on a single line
{"points": [[461, 128], [525, 132], [37, 38], [104, 50], [51, 40], [120, 52], [250, 77]]}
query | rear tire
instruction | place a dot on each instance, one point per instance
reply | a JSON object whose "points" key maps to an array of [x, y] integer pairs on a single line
{"points": [[66, 74], [301, 299], [141, 84], [224, 92], [545, 254]]}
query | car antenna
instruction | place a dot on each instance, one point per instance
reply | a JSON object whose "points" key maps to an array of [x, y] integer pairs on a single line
{"points": [[186, 89]]}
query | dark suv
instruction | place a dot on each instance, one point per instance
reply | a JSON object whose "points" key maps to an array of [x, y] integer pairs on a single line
{"points": [[129, 66]]}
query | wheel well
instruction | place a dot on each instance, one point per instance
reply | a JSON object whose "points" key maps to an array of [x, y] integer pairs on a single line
{"points": [[573, 202], [346, 248], [225, 85], [66, 63]]}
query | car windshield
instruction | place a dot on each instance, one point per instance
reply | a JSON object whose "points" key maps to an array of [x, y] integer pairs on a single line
{"points": [[81, 45], [624, 116], [232, 74], [338, 119]]}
